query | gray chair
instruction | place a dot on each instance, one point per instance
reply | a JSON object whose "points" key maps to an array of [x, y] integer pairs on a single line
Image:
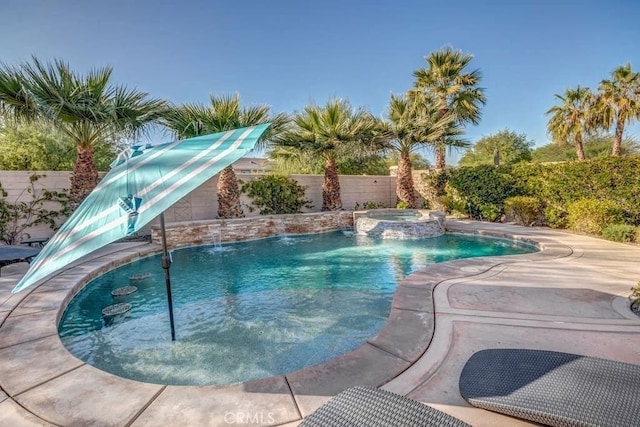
{"points": [[557, 389], [370, 407]]}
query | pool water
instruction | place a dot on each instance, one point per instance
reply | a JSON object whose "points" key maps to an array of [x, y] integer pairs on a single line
{"points": [[255, 309]]}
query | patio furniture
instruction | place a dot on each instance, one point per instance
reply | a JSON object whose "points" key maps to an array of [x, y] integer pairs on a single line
{"points": [[370, 407], [39, 241], [557, 389], [11, 254]]}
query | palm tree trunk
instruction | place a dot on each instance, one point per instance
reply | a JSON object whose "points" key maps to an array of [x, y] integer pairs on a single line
{"points": [[440, 157], [578, 144], [331, 200], [84, 177], [440, 147], [617, 141], [404, 184], [229, 195]]}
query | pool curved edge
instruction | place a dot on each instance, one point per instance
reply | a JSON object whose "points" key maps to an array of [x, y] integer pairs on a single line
{"points": [[58, 388]]}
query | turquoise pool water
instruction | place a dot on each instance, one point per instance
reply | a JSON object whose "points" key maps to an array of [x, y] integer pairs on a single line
{"points": [[255, 309]]}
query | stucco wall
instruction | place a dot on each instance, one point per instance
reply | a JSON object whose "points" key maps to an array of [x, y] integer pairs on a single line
{"points": [[202, 204], [15, 184]]}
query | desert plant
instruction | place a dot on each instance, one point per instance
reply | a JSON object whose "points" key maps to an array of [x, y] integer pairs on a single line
{"points": [[373, 205], [555, 217], [635, 299], [592, 215], [523, 210], [624, 233], [276, 194], [18, 216]]}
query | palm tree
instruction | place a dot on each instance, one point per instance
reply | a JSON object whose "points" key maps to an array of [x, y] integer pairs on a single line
{"points": [[412, 124], [573, 118], [619, 102], [326, 132], [224, 113], [457, 91], [86, 108]]}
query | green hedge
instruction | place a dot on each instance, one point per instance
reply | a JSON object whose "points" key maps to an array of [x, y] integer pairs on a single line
{"points": [[592, 215], [524, 210], [481, 191], [624, 233]]}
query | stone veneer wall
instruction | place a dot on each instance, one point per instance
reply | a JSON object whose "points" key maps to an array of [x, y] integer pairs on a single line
{"points": [[190, 233]]}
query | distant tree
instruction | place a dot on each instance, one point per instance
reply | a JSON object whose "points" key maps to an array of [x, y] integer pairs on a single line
{"points": [[594, 146], [292, 160], [619, 102], [87, 108], [573, 119], [456, 89], [512, 148], [39, 147], [418, 161], [287, 160]]}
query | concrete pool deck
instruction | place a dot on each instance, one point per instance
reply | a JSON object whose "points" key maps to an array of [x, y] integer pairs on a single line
{"points": [[570, 297]]}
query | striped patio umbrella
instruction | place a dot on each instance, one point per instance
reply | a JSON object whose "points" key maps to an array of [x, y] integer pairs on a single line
{"points": [[139, 187]]}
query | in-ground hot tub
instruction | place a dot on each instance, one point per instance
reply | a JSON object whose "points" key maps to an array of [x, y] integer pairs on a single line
{"points": [[399, 223]]}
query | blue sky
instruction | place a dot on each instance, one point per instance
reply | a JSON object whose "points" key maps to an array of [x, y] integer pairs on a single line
{"points": [[288, 53]]}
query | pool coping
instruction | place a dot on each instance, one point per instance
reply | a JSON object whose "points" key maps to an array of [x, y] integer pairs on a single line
{"points": [[58, 388]]}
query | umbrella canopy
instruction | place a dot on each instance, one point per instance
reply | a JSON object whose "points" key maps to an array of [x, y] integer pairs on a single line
{"points": [[136, 190]]}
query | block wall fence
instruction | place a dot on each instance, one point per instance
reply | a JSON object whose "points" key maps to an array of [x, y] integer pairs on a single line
{"points": [[202, 204]]}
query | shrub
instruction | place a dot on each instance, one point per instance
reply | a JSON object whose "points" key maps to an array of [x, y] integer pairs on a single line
{"points": [[523, 210], [481, 190], [373, 205], [624, 233], [402, 205], [558, 185], [592, 215], [276, 194], [555, 217], [635, 299]]}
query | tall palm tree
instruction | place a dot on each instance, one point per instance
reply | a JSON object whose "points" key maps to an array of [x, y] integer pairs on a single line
{"points": [[326, 132], [411, 124], [573, 118], [619, 102], [446, 79], [222, 114], [86, 108]]}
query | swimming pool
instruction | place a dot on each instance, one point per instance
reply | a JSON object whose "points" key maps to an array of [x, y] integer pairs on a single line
{"points": [[254, 309]]}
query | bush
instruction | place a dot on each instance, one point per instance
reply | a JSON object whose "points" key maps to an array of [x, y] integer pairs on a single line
{"points": [[480, 191], [402, 205], [371, 205], [624, 233], [558, 185], [555, 217], [523, 210], [276, 194], [592, 215]]}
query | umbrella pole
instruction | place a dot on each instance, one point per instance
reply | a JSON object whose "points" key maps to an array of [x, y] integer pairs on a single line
{"points": [[166, 264]]}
